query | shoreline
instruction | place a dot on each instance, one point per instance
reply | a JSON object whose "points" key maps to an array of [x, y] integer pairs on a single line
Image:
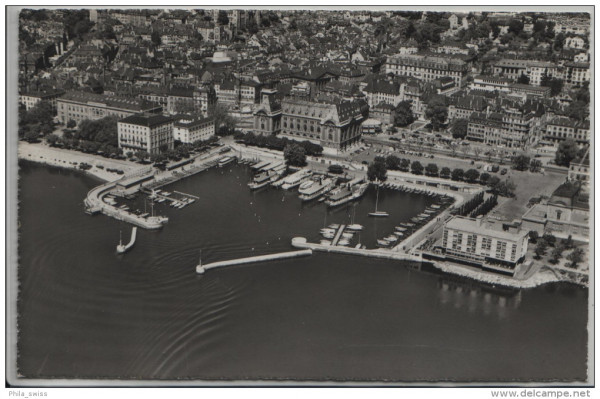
{"points": [[538, 279]]}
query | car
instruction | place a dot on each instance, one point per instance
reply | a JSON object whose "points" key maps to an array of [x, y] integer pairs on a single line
{"points": [[503, 171]]}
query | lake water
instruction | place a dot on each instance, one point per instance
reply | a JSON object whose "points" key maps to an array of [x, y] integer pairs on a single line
{"points": [[86, 312]]}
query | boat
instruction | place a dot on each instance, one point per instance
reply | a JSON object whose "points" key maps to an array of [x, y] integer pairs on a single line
{"points": [[378, 213], [398, 228], [325, 242], [383, 243], [260, 180], [334, 226], [121, 249], [341, 197], [354, 227], [326, 230], [295, 179], [225, 160], [347, 235], [307, 184], [166, 193], [343, 242], [316, 189], [275, 176], [328, 235]]}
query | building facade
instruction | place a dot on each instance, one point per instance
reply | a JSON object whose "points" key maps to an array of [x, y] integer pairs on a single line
{"points": [[488, 244], [150, 133], [31, 99], [80, 106], [427, 68], [190, 130], [559, 129]]}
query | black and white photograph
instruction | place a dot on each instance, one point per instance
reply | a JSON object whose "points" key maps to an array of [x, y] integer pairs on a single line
{"points": [[272, 196]]}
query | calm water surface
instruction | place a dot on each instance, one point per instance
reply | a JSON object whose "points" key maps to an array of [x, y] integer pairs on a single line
{"points": [[86, 312]]}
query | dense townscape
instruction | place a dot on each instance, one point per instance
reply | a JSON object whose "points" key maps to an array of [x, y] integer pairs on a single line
{"points": [[491, 109]]}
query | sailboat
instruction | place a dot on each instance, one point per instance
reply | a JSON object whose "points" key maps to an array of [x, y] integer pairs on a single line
{"points": [[199, 267], [378, 213], [354, 226]]}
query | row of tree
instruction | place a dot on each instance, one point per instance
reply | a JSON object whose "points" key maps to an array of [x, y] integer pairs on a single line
{"points": [[523, 162], [38, 121], [470, 205], [486, 207], [277, 143]]}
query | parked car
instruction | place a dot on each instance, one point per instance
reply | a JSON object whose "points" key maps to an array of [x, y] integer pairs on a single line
{"points": [[503, 171]]}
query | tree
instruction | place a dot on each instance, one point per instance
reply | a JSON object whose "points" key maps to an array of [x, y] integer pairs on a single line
{"points": [[71, 124], [554, 84], [515, 26], [404, 115], [540, 248], [431, 169], [460, 128], [416, 168], [453, 147], [294, 155], [484, 178], [521, 162], [377, 170], [568, 243], [578, 110], [504, 188], [155, 37], [404, 164], [32, 136], [535, 166], [471, 175], [222, 18], [477, 151], [533, 236], [566, 152], [392, 162], [457, 174], [550, 239], [141, 155], [436, 112], [555, 255], [221, 116], [52, 139], [523, 79], [575, 257], [559, 42], [445, 172]]}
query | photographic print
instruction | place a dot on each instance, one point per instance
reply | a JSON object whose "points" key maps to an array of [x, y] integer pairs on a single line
{"points": [[301, 195]]}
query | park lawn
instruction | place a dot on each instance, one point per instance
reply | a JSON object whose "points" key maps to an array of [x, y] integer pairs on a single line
{"points": [[527, 185]]}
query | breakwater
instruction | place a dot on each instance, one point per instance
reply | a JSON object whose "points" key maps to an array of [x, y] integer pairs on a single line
{"points": [[200, 269]]}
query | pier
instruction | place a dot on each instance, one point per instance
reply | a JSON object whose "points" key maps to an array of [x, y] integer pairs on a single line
{"points": [[200, 269], [337, 236], [300, 242]]}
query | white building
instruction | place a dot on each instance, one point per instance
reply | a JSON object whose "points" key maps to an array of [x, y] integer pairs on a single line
{"points": [[489, 244], [190, 130], [150, 133]]}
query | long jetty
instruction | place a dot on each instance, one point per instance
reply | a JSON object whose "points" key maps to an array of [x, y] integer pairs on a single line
{"points": [[200, 269]]}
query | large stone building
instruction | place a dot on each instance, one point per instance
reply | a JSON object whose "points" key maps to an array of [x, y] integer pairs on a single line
{"points": [[534, 70], [510, 128], [428, 68], [267, 117], [80, 106], [334, 125], [31, 99], [490, 245], [150, 133], [559, 129]]}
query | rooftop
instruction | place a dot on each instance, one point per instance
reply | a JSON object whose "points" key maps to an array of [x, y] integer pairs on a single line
{"points": [[146, 120], [487, 227]]}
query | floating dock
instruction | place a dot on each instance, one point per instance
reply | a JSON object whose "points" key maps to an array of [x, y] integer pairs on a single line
{"points": [[200, 269]]}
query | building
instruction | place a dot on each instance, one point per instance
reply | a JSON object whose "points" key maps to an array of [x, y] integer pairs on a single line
{"points": [[561, 128], [267, 117], [31, 99], [150, 133], [383, 91], [334, 125], [576, 73], [566, 213], [529, 90], [579, 170], [80, 106], [192, 129], [490, 83], [534, 70], [511, 128], [463, 107], [490, 245], [427, 68], [575, 42]]}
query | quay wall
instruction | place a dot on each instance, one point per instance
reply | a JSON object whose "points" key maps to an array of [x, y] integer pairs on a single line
{"points": [[300, 242], [253, 259]]}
